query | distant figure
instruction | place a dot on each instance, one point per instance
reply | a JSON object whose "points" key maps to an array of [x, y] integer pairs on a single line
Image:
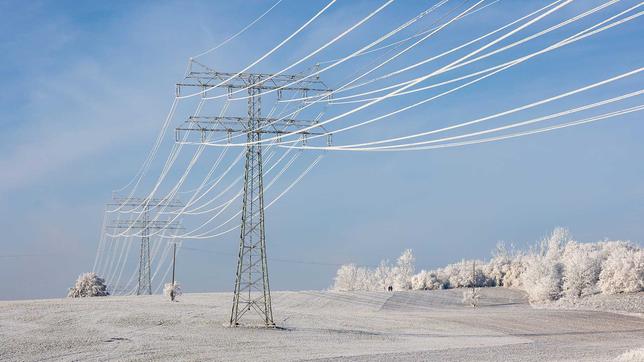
{"points": [[390, 288]]}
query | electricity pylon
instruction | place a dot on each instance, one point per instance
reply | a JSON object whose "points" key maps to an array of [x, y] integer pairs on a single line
{"points": [[252, 289], [144, 224]]}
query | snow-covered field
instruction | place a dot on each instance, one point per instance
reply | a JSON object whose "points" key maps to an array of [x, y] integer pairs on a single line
{"points": [[321, 325]]}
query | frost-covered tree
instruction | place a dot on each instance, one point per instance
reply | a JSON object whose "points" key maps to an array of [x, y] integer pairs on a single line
{"points": [[623, 271], [542, 277], [459, 275], [383, 275], [582, 265], [434, 282], [351, 277], [172, 291], [512, 277], [472, 296], [499, 265], [364, 280], [404, 270], [553, 246], [427, 280], [419, 281], [553, 268], [346, 277], [88, 285], [505, 267]]}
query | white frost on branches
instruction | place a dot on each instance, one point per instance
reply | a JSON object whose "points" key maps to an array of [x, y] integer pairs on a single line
{"points": [[623, 270], [556, 267], [345, 279], [88, 285], [471, 297], [582, 265], [404, 270], [383, 275], [169, 289], [505, 267], [351, 277], [542, 277]]}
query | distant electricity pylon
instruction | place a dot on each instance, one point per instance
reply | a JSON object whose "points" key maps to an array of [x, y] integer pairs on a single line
{"points": [[145, 225], [252, 290]]}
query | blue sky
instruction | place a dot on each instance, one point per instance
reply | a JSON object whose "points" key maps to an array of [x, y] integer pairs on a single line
{"points": [[86, 86]]}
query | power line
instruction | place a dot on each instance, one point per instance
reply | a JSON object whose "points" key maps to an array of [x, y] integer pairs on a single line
{"points": [[238, 33], [490, 117], [317, 72], [417, 80], [585, 33], [518, 134], [232, 77], [145, 225]]}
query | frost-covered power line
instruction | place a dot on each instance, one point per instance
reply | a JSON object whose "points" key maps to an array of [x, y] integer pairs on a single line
{"points": [[493, 116], [232, 37], [414, 82], [266, 55], [329, 93], [579, 36], [402, 41], [497, 51]]}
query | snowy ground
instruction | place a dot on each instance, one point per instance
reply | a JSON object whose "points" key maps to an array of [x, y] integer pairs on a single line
{"points": [[414, 325]]}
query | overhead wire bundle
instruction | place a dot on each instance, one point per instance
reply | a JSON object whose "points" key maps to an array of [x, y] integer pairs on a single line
{"points": [[387, 67]]}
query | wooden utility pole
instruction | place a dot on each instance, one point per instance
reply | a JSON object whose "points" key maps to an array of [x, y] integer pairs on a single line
{"points": [[174, 259]]}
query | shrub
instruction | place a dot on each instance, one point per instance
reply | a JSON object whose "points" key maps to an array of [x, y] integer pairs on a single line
{"points": [[459, 275], [419, 281], [172, 291], [88, 285], [542, 278], [472, 297], [505, 267], [346, 277], [582, 265], [622, 271], [512, 278], [434, 282]]}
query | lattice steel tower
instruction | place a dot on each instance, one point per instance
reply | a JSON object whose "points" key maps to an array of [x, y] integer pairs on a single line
{"points": [[252, 289], [143, 223]]}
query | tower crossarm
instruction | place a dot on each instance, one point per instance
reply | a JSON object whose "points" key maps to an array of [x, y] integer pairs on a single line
{"points": [[205, 126], [206, 83], [144, 224], [238, 120], [262, 81], [150, 202]]}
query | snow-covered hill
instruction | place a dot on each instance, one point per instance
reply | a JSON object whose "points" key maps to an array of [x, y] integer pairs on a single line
{"points": [[408, 325]]}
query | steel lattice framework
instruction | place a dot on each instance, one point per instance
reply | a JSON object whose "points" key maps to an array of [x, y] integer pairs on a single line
{"points": [[252, 289], [143, 223]]}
